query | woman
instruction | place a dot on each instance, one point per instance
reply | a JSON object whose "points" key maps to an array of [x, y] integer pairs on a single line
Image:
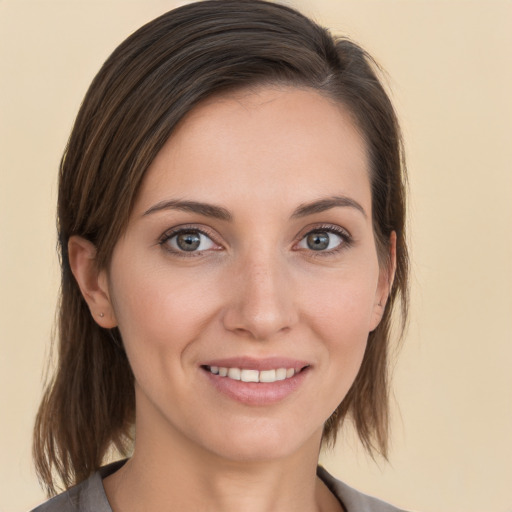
{"points": [[231, 225]]}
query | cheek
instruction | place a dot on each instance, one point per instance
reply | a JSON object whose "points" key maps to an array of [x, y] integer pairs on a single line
{"points": [[159, 313], [157, 320], [340, 312], [342, 303]]}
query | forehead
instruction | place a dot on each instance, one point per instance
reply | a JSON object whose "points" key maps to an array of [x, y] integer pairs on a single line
{"points": [[268, 144]]}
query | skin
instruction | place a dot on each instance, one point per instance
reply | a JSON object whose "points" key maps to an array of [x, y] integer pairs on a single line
{"points": [[254, 288]]}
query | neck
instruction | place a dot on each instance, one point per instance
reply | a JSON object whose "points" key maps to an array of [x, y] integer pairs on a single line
{"points": [[177, 475]]}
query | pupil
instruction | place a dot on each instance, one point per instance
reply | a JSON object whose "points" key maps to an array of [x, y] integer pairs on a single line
{"points": [[318, 241], [188, 241]]}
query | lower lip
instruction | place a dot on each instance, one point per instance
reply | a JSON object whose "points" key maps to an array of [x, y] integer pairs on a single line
{"points": [[256, 393]]}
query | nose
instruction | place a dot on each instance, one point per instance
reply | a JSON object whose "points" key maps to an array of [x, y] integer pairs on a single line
{"points": [[261, 302]]}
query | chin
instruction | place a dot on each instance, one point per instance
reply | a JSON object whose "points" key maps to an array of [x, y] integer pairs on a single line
{"points": [[262, 441]]}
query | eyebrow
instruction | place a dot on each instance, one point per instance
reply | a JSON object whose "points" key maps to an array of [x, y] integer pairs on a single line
{"points": [[208, 210], [326, 204], [221, 213]]}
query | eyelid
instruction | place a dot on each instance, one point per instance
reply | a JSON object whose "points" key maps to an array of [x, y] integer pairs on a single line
{"points": [[333, 228], [343, 233], [186, 227], [183, 228]]}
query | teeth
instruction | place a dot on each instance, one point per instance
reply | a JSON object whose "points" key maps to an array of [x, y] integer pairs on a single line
{"points": [[234, 373], [249, 375], [246, 375], [281, 373], [267, 375]]}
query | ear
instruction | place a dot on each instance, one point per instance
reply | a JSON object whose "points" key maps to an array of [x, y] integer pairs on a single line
{"points": [[386, 278], [93, 282]]}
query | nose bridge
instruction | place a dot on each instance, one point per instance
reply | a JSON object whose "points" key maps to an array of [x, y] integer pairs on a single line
{"points": [[262, 302]]}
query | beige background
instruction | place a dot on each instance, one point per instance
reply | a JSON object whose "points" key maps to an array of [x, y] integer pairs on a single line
{"points": [[450, 67]]}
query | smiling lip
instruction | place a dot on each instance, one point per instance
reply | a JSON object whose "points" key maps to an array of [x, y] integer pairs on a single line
{"points": [[251, 363], [256, 393]]}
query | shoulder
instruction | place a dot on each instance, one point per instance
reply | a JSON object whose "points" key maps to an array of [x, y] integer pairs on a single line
{"points": [[87, 496], [61, 503], [68, 501], [353, 500]]}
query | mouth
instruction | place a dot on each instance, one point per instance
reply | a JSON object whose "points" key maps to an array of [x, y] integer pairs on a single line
{"points": [[256, 382], [252, 375]]}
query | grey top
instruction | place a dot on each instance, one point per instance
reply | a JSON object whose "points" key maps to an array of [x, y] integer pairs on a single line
{"points": [[89, 495]]}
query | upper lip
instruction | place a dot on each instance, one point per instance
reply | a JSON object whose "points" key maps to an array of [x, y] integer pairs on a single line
{"points": [[251, 363]]}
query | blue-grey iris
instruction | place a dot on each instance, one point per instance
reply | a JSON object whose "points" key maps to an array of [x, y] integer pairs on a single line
{"points": [[188, 241], [318, 241]]}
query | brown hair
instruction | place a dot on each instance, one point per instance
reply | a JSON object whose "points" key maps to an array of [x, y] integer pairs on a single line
{"points": [[153, 79]]}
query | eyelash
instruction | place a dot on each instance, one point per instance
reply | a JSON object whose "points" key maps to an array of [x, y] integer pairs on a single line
{"points": [[346, 240], [168, 235]]}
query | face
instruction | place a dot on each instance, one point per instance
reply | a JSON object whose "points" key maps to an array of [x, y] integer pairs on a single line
{"points": [[249, 252]]}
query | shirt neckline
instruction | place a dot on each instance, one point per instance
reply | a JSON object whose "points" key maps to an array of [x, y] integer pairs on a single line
{"points": [[96, 498]]}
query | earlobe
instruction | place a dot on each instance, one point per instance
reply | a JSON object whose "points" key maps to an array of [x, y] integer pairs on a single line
{"points": [[386, 278], [91, 280]]}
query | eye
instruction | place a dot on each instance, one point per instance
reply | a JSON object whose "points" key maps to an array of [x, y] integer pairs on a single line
{"points": [[187, 240], [324, 239]]}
